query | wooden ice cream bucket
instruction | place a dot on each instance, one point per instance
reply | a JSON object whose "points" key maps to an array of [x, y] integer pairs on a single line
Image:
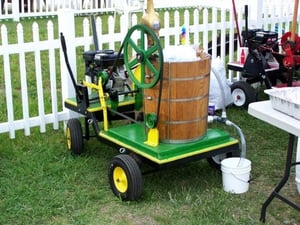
{"points": [[184, 100]]}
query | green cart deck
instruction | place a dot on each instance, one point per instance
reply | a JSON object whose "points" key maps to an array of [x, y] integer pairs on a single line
{"points": [[133, 137], [96, 106]]}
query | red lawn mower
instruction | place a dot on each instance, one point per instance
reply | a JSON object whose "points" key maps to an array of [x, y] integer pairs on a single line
{"points": [[264, 63]]}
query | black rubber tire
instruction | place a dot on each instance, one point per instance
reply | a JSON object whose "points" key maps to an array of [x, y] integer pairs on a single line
{"points": [[74, 137], [242, 93], [125, 177]]}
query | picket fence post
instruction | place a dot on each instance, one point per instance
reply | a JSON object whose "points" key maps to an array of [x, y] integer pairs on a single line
{"points": [[15, 10], [39, 79], [24, 84], [66, 26], [8, 86]]}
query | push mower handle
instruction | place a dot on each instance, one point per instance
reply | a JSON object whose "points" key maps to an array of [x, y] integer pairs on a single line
{"points": [[63, 42]]}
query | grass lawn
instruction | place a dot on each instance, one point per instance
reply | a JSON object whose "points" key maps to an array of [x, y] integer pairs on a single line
{"points": [[41, 183]]}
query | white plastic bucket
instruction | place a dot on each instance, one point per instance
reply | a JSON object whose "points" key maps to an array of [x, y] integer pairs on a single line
{"points": [[236, 174]]}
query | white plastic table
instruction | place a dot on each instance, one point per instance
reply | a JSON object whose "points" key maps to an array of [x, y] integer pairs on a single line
{"points": [[263, 110]]}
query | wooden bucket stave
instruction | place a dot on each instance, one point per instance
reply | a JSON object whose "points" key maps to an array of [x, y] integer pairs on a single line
{"points": [[184, 101]]}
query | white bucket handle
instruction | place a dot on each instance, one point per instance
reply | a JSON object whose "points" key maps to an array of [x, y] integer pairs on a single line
{"points": [[242, 179]]}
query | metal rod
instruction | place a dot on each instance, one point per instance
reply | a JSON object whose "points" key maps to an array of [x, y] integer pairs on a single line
{"points": [[122, 115], [95, 36], [246, 22], [236, 23], [64, 49], [294, 23], [283, 181]]}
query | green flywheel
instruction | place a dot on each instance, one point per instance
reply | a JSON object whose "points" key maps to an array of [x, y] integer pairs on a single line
{"points": [[138, 52]]}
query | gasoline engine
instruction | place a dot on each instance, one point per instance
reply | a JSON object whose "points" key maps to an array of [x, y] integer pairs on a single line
{"points": [[116, 79], [109, 65], [262, 45]]}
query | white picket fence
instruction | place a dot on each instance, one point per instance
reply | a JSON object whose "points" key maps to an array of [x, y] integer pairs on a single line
{"points": [[51, 86], [41, 8]]}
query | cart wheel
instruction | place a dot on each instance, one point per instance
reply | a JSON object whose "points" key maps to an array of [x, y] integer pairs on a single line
{"points": [[243, 94], [125, 177], [74, 137], [215, 161]]}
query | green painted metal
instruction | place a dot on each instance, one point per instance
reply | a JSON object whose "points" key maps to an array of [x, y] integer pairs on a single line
{"points": [[144, 56], [133, 137], [96, 106]]}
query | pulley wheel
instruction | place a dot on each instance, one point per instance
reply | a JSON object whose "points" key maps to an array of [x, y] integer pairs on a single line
{"points": [[138, 52]]}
